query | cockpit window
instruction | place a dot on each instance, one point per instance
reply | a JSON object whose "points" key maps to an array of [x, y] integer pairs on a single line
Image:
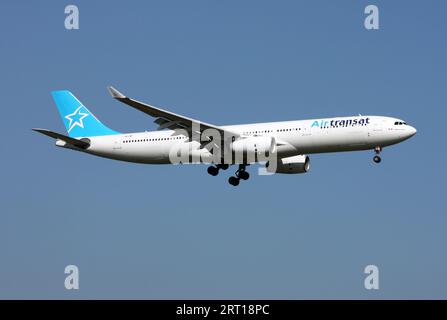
{"points": [[399, 123]]}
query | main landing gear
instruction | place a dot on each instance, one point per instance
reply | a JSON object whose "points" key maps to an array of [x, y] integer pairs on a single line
{"points": [[241, 173], [214, 170], [377, 158]]}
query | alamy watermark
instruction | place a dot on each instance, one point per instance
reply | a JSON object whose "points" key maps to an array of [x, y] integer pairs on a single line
{"points": [[372, 19], [72, 19], [372, 279], [213, 146], [72, 279]]}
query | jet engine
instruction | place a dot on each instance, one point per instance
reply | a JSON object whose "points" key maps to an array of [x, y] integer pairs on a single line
{"points": [[254, 146], [295, 164]]}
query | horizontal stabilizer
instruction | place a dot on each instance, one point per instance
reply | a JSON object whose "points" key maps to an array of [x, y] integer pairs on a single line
{"points": [[74, 142]]}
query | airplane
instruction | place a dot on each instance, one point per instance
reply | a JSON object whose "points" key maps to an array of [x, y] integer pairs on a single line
{"points": [[283, 146]]}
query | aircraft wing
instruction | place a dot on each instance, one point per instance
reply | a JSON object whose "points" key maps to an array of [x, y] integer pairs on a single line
{"points": [[169, 120]]}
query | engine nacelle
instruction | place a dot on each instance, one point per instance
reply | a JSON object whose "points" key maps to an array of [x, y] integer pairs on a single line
{"points": [[254, 146], [295, 164]]}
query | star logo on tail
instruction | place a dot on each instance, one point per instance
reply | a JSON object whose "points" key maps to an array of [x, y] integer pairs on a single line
{"points": [[76, 119]]}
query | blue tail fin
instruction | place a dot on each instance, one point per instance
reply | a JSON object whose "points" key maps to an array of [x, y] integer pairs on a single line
{"points": [[78, 120]]}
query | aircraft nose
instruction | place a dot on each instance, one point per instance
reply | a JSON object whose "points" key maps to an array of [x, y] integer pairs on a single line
{"points": [[412, 131]]}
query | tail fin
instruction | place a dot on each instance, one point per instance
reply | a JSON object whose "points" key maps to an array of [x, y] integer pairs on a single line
{"points": [[78, 120]]}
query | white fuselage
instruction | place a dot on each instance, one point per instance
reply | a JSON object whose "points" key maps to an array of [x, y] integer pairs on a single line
{"points": [[293, 137]]}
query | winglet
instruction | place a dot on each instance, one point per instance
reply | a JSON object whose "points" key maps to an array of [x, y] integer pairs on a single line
{"points": [[115, 93]]}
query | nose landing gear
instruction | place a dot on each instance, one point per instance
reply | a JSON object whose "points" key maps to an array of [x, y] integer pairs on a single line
{"points": [[377, 158]]}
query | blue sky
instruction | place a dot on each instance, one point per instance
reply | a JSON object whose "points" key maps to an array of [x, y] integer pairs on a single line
{"points": [[162, 232]]}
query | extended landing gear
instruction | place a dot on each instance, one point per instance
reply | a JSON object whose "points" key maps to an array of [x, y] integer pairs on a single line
{"points": [[214, 171], [241, 174], [377, 158], [233, 181], [244, 175]]}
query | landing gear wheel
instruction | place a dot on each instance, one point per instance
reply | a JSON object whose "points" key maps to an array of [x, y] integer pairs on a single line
{"points": [[244, 175], [233, 181], [377, 158], [224, 166], [213, 171]]}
